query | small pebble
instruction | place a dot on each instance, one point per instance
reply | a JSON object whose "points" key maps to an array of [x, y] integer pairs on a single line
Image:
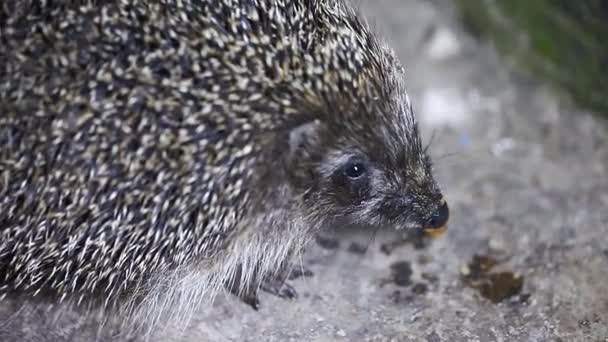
{"points": [[387, 248], [523, 299], [397, 297], [465, 270], [502, 146], [402, 273], [433, 337], [318, 298], [419, 289], [497, 246], [482, 264], [327, 242], [341, 333], [431, 278], [424, 259], [357, 248]]}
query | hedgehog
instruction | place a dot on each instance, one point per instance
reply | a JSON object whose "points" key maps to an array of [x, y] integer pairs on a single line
{"points": [[156, 153]]}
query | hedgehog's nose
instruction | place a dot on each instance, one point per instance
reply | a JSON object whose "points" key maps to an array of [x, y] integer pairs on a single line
{"points": [[440, 218]]}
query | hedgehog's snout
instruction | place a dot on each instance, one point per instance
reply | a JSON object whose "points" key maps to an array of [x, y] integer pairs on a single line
{"points": [[438, 221], [439, 218]]}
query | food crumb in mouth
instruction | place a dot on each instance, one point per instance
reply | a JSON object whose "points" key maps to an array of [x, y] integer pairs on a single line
{"points": [[435, 232]]}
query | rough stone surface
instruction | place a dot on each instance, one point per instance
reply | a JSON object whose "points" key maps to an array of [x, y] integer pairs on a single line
{"points": [[521, 166]]}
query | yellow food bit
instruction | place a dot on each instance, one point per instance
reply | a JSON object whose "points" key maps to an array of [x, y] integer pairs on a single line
{"points": [[435, 232]]}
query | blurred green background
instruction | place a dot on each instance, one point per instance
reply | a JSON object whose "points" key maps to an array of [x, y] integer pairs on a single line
{"points": [[565, 42]]}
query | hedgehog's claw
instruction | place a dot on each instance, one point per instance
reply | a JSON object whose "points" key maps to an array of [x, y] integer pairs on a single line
{"points": [[278, 285], [300, 271], [252, 300]]}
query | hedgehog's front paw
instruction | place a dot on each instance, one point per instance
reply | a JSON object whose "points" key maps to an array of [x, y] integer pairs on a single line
{"points": [[251, 298], [246, 292], [278, 287], [248, 295]]}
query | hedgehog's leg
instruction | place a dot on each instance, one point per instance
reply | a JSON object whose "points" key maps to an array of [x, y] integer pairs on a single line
{"points": [[248, 293], [250, 298]]}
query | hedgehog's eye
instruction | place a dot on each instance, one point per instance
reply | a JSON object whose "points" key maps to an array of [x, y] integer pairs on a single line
{"points": [[354, 169]]}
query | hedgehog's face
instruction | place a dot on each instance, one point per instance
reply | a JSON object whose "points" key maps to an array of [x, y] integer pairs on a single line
{"points": [[363, 162], [366, 189], [371, 180]]}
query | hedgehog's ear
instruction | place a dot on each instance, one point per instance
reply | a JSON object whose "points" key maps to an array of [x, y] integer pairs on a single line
{"points": [[303, 135], [302, 142]]}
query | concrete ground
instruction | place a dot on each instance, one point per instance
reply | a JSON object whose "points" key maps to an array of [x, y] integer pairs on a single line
{"points": [[525, 173]]}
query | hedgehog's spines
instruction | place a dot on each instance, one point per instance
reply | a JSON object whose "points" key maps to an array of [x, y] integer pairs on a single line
{"points": [[144, 143]]}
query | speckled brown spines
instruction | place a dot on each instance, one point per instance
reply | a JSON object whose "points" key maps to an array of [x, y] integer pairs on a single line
{"points": [[142, 139]]}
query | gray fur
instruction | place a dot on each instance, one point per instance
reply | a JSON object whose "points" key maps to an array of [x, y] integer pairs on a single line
{"points": [[153, 151]]}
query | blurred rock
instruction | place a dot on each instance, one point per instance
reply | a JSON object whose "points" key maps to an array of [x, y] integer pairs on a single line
{"points": [[443, 44], [443, 107]]}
